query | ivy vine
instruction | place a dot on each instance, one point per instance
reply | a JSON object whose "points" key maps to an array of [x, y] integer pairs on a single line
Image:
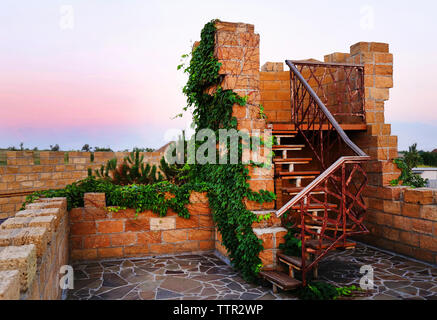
{"points": [[212, 108]]}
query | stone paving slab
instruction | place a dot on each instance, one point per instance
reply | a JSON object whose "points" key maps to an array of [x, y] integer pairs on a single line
{"points": [[207, 277]]}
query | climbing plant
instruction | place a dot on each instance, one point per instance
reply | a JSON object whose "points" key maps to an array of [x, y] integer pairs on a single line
{"points": [[140, 197], [212, 108]]}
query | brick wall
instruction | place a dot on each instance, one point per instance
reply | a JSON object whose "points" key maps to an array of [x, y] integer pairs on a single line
{"points": [[97, 233], [403, 220], [275, 92], [33, 247], [22, 172]]}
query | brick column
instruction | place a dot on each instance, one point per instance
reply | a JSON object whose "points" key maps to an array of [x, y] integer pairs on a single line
{"points": [[377, 141], [237, 48]]}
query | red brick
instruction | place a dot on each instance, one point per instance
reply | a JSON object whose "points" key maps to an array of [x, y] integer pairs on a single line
{"points": [[411, 210], [391, 234], [428, 243], [409, 238], [96, 241], [200, 234], [207, 245], [418, 196], [123, 239], [392, 206], [198, 208], [403, 223], [149, 237], [84, 254], [125, 214], [75, 214], [76, 243], [162, 248], [91, 214], [187, 246], [192, 222], [136, 251], [266, 257], [111, 226], [429, 212], [110, 252], [206, 221], [80, 228], [174, 236], [141, 223], [422, 226]]}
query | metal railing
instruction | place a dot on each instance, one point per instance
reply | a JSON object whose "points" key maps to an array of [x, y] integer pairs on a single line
{"points": [[328, 219]]}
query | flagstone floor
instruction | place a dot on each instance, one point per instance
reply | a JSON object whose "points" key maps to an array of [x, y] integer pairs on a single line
{"points": [[205, 276]]}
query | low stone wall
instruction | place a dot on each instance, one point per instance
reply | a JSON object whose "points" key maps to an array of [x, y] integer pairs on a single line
{"points": [[98, 233], [23, 172], [33, 247], [403, 220]]}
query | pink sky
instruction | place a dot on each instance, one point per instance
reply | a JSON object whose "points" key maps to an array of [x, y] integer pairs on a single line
{"points": [[111, 80]]}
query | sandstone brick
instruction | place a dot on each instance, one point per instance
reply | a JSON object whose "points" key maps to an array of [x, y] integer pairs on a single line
{"points": [[206, 245], [23, 259], [187, 246], [166, 223], [123, 239], [91, 214], [206, 221], [379, 47], [393, 207], [9, 285], [25, 236]]}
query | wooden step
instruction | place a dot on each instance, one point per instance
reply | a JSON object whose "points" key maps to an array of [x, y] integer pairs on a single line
{"points": [[295, 190], [299, 173], [295, 262], [289, 147], [280, 280], [280, 161], [314, 244], [282, 132], [316, 206]]}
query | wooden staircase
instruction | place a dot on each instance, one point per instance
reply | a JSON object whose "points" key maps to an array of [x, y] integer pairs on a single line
{"points": [[319, 181], [291, 182]]}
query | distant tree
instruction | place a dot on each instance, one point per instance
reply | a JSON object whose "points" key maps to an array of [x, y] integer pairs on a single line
{"points": [[135, 149], [54, 148], [98, 149], [21, 146], [412, 157], [86, 148]]}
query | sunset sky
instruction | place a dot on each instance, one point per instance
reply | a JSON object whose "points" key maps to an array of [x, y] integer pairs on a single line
{"points": [[103, 72]]}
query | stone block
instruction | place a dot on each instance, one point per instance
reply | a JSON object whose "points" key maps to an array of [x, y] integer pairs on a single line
{"points": [[23, 259], [10, 285]]}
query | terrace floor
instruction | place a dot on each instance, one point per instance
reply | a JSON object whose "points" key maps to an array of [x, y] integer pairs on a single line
{"points": [[205, 276]]}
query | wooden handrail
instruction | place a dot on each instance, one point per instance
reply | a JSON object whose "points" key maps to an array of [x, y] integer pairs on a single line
{"points": [[318, 180]]}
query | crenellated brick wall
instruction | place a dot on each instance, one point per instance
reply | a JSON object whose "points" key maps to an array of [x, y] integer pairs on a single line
{"points": [[22, 172], [403, 220], [99, 233], [33, 247]]}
